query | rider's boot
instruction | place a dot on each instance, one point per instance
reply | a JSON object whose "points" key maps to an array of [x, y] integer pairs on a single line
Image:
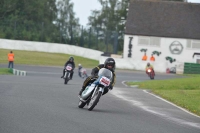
{"points": [[71, 76], [63, 74], [83, 88]]}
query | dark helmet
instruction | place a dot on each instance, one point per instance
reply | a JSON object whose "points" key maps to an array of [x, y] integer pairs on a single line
{"points": [[110, 64], [71, 59], [148, 64]]}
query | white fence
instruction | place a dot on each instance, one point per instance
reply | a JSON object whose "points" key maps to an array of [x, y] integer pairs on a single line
{"points": [[50, 47]]}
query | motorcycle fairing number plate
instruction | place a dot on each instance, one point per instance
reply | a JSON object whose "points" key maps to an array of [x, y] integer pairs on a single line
{"points": [[68, 67], [104, 81], [149, 70]]}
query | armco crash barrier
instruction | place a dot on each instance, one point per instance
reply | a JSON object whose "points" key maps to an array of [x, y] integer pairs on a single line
{"points": [[19, 72]]}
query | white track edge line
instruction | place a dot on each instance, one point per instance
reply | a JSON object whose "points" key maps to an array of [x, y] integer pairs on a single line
{"points": [[171, 104]]}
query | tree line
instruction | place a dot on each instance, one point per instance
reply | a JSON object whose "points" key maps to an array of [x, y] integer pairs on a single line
{"points": [[55, 21]]}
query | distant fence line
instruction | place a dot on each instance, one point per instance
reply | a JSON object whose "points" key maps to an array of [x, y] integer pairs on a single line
{"points": [[93, 38]]}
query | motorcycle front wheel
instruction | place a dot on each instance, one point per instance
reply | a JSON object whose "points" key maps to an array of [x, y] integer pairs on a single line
{"points": [[151, 75], [66, 79], [81, 104], [94, 100]]}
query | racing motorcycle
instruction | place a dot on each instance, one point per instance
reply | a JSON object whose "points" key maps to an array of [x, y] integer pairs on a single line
{"points": [[93, 92], [150, 72], [83, 73], [67, 75]]}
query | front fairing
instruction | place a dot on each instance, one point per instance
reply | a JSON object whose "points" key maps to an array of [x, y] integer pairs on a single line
{"points": [[104, 75], [88, 90], [149, 70], [68, 67]]}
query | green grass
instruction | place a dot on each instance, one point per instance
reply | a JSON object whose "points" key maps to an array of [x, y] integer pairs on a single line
{"points": [[47, 59], [184, 92], [5, 71]]}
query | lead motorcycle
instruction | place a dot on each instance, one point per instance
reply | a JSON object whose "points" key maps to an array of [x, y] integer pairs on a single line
{"points": [[67, 75], [150, 72], [93, 92]]}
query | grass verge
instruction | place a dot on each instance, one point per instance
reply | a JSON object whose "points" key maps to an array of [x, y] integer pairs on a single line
{"points": [[183, 92], [43, 58], [5, 71]]}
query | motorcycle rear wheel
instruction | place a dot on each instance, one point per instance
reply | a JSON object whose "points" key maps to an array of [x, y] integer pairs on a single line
{"points": [[93, 102]]}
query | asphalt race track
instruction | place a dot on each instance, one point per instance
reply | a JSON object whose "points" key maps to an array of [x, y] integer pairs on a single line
{"points": [[41, 103]]}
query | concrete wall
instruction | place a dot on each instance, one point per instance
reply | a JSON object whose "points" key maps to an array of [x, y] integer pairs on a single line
{"points": [[50, 47]]}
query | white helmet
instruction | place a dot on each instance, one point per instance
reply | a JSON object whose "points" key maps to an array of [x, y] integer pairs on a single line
{"points": [[79, 64]]}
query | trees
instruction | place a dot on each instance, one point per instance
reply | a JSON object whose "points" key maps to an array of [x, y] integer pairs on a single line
{"points": [[27, 20], [66, 21], [37, 20], [108, 22], [55, 21], [42, 20]]}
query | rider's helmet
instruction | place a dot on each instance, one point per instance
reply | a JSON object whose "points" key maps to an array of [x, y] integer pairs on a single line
{"points": [[109, 64], [71, 59], [148, 64], [79, 64]]}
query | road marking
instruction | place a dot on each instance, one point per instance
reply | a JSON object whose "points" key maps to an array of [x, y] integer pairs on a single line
{"points": [[141, 105], [171, 103], [123, 82]]}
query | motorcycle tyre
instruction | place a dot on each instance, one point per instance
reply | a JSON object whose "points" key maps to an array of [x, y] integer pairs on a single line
{"points": [[96, 100], [81, 104], [66, 79], [151, 76]]}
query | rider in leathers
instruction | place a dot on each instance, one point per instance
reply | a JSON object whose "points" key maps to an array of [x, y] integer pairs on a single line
{"points": [[109, 64], [70, 61], [149, 66]]}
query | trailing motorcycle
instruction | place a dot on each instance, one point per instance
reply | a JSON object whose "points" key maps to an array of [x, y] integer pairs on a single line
{"points": [[151, 73], [67, 75], [83, 73], [93, 92]]}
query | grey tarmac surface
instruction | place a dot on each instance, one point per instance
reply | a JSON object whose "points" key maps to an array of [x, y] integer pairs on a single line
{"points": [[41, 103]]}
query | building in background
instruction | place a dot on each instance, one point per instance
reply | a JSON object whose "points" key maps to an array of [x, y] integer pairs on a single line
{"points": [[168, 30]]}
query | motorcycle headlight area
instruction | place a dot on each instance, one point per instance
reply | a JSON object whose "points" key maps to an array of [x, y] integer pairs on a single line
{"points": [[69, 68], [149, 70]]}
